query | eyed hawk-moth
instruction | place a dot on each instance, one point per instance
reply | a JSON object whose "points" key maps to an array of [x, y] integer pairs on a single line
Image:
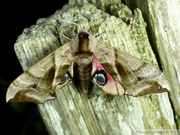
{"points": [[86, 61]]}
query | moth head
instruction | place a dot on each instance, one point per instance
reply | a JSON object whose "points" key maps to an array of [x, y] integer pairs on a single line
{"points": [[83, 42]]}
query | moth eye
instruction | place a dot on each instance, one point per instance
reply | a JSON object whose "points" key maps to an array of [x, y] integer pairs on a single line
{"points": [[66, 76], [100, 78]]}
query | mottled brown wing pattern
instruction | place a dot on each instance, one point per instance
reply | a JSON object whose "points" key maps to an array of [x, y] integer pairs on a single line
{"points": [[114, 71], [136, 77], [39, 82]]}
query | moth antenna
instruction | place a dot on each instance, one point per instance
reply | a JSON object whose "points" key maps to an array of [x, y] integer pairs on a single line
{"points": [[95, 31], [97, 36], [65, 36], [69, 22], [76, 25]]}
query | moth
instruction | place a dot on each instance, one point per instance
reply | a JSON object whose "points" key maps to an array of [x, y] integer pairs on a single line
{"points": [[85, 61]]}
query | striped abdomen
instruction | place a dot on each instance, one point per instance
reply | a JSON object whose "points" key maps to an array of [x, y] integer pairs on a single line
{"points": [[82, 72]]}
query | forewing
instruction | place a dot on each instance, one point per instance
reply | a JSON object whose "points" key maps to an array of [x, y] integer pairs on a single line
{"points": [[39, 82], [135, 76]]}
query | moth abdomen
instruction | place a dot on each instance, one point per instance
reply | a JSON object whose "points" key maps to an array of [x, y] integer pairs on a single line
{"points": [[84, 73], [82, 70]]}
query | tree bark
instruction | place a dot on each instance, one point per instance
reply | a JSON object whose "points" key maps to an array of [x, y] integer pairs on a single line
{"points": [[96, 113]]}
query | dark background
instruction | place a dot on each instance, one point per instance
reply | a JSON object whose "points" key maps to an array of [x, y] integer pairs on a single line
{"points": [[19, 118]]}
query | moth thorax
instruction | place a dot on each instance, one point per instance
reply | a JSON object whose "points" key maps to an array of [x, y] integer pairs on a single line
{"points": [[83, 39]]}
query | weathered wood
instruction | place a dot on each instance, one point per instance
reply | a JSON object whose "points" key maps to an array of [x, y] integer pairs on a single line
{"points": [[163, 20], [74, 112]]}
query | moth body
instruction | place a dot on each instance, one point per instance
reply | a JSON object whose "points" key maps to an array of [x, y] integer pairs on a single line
{"points": [[83, 62], [87, 68]]}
